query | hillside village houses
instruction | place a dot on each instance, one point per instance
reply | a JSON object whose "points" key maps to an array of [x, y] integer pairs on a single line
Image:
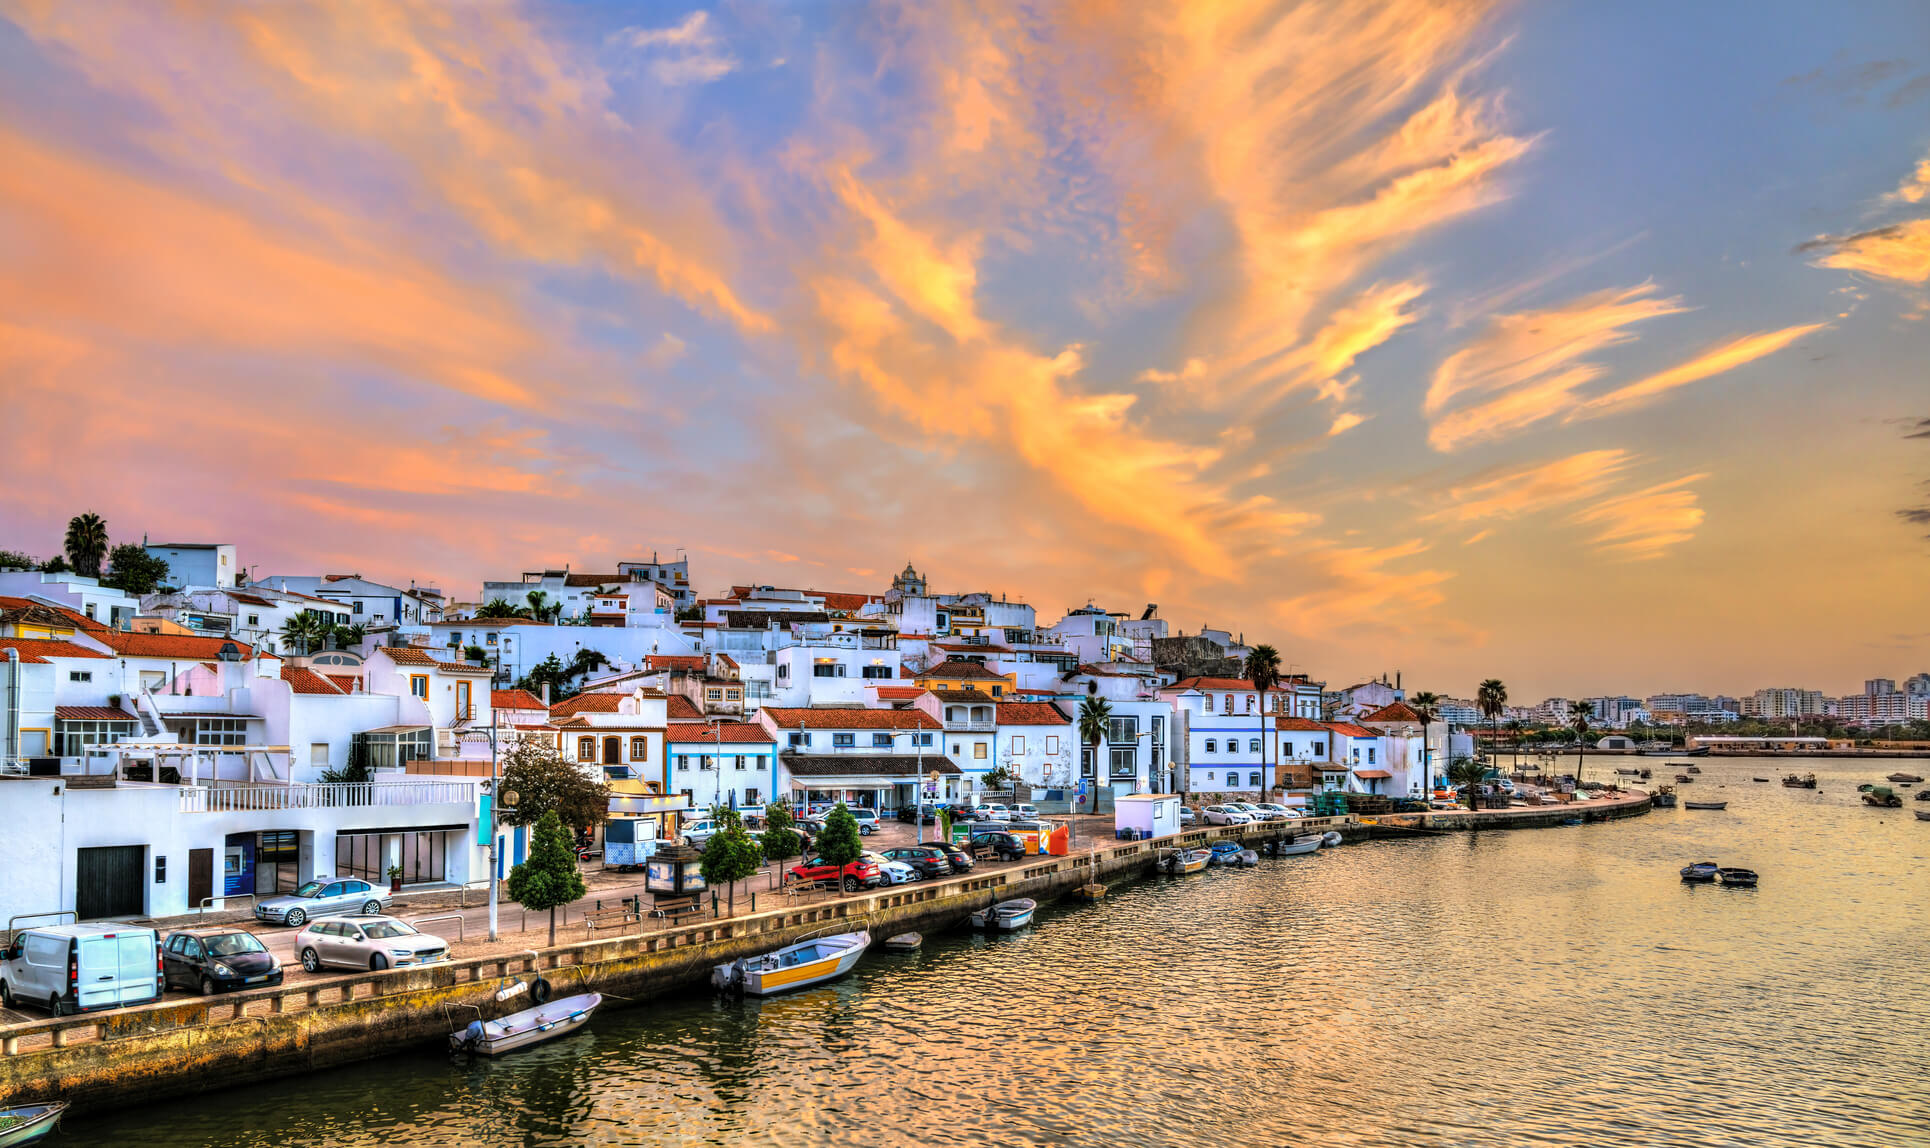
{"points": [[180, 749]]}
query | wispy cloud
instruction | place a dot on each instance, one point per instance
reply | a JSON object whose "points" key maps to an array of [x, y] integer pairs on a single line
{"points": [[1514, 491], [1647, 523], [688, 52], [1899, 252], [1726, 357]]}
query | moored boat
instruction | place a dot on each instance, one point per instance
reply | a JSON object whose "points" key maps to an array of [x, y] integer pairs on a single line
{"points": [[1806, 781], [794, 966], [26, 1123], [1705, 805], [1224, 852], [1903, 778], [1693, 769], [546, 1021], [1663, 797], [1763, 780], [1332, 837], [1733, 876], [1923, 795], [1184, 861], [1629, 772], [1700, 871], [1013, 914], [1923, 814], [1245, 858], [1646, 773], [1683, 779], [1883, 797], [903, 942], [1299, 846]]}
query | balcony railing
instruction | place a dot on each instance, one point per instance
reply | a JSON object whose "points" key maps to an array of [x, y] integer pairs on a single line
{"points": [[972, 726], [346, 795]]}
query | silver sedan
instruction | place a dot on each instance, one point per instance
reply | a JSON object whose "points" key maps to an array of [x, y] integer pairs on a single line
{"points": [[323, 897], [367, 943]]}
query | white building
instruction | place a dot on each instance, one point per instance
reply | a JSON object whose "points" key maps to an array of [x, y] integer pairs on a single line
{"points": [[196, 563], [869, 757]]}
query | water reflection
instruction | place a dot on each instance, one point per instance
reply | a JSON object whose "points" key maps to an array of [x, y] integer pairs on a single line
{"points": [[1558, 986]]}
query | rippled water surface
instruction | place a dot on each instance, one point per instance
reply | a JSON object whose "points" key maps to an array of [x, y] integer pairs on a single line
{"points": [[1555, 986]]}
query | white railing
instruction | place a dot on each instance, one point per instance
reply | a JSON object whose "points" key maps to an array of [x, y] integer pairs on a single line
{"points": [[346, 795]]}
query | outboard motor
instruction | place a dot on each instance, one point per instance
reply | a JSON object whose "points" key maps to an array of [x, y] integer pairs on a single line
{"points": [[472, 1036]]}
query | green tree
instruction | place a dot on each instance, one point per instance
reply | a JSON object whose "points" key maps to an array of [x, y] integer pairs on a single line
{"points": [[550, 878], [349, 636], [998, 779], [500, 608], [15, 560], [548, 672], [1469, 774], [86, 543], [1426, 706], [1095, 722], [55, 565], [780, 832], [476, 654], [731, 854], [839, 844], [544, 781], [585, 662], [1579, 714], [1263, 670], [133, 569], [305, 633], [542, 609], [1491, 698], [689, 614]]}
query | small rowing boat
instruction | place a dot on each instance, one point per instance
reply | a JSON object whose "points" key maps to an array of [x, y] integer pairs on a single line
{"points": [[1705, 805], [1922, 814], [1184, 861], [1763, 780], [1740, 877], [1904, 778], [1806, 781], [1701, 871], [522, 1029], [1331, 838], [1299, 846], [806, 963], [1013, 914], [903, 943], [25, 1123], [1663, 797]]}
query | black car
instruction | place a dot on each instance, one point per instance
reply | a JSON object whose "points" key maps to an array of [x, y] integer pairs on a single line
{"points": [[928, 860], [1003, 846], [213, 960], [910, 814], [961, 859]]}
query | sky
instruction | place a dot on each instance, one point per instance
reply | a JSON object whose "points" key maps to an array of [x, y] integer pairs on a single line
{"points": [[1583, 346]]}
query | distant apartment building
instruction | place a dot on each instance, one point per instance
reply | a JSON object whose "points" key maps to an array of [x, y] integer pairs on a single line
{"points": [[1917, 686], [1882, 708], [1876, 687], [1786, 702], [1618, 710], [1553, 710], [1682, 703]]}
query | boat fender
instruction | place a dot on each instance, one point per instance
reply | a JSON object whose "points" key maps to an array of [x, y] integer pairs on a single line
{"points": [[515, 990], [539, 991]]}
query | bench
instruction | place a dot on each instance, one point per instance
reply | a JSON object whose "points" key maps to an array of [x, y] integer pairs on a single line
{"points": [[812, 890], [672, 908], [624, 914]]}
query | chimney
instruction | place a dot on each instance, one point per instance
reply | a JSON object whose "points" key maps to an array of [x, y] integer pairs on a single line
{"points": [[546, 695], [1397, 679]]}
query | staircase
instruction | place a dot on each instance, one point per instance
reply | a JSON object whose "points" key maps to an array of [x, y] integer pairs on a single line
{"points": [[150, 715]]}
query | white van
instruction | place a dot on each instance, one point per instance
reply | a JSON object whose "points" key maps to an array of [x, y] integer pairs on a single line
{"points": [[81, 968]]}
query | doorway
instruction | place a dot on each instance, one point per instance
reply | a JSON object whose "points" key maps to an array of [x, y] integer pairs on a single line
{"points": [[107, 882], [200, 876]]}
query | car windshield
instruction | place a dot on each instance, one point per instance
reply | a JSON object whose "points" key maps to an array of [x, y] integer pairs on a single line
{"points": [[308, 889], [378, 929], [233, 945]]}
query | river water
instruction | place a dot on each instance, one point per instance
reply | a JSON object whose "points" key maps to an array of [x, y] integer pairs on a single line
{"points": [[1555, 986]]}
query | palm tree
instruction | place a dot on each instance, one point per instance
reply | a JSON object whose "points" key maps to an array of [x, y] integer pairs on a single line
{"points": [[1491, 698], [1515, 729], [1578, 715], [542, 609], [500, 608], [1263, 670], [351, 635], [1095, 725], [86, 543], [305, 632], [1426, 706], [1468, 774]]}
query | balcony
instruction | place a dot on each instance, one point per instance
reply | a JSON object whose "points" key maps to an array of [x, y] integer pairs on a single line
{"points": [[971, 726], [351, 795]]}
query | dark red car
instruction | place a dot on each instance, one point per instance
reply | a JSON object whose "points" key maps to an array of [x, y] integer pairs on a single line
{"points": [[860, 874]]}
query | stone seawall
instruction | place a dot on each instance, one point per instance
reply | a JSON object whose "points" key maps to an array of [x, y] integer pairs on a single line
{"points": [[170, 1048]]}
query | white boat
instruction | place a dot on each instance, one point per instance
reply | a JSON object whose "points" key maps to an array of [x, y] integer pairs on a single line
{"points": [[531, 1026], [1331, 838], [25, 1123], [1296, 847], [796, 966], [1015, 914], [1184, 861]]}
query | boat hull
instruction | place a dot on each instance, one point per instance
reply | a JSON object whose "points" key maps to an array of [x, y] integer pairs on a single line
{"points": [[531, 1026], [1701, 873], [1006, 915], [1299, 846], [1744, 878], [795, 966], [1705, 805], [36, 1120]]}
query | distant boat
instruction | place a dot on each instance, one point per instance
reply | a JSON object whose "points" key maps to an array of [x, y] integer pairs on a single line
{"points": [[1663, 797], [1693, 769], [1883, 797], [1698, 751], [1764, 780], [1013, 914], [1705, 805], [521, 1029], [1700, 871], [1298, 847], [1923, 814], [1923, 795], [1806, 781], [1683, 779], [1646, 773], [1629, 772], [1904, 778], [25, 1123], [794, 966], [903, 942], [1731, 876], [1185, 861]]}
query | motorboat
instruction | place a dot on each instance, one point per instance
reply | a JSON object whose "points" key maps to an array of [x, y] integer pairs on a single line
{"points": [[903, 943], [1245, 858], [1693, 769], [1701, 871], [1740, 877], [1646, 773], [1295, 848], [795, 966], [26, 1123], [1223, 852], [1923, 814], [1014, 914], [1332, 838], [1629, 772], [1683, 779], [1761, 780], [1806, 781], [1883, 797], [1923, 795], [546, 1021], [1904, 778], [1184, 861], [1705, 805], [1663, 797]]}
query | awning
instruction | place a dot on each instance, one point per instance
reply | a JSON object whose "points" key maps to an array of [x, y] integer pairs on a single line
{"points": [[1373, 774], [620, 772], [94, 713]]}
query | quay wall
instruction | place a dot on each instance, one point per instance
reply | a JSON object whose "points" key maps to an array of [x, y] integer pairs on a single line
{"points": [[172, 1048]]}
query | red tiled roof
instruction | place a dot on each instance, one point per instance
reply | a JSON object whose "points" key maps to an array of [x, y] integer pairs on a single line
{"points": [[1299, 725], [347, 683], [184, 646], [972, 648], [40, 649], [515, 700], [588, 704], [1351, 730], [851, 719], [249, 599], [682, 708], [594, 580], [417, 656], [1217, 684], [1394, 712], [1373, 774], [833, 600], [306, 681], [1032, 713], [93, 713], [961, 671], [684, 662], [900, 693], [728, 732], [79, 620]]}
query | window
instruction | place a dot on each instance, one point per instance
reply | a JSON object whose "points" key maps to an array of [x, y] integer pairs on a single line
{"points": [[881, 741], [740, 761], [1122, 729], [924, 739], [455, 639], [1052, 743], [877, 671], [843, 740], [1212, 745], [357, 609], [1249, 703], [80, 675], [1253, 779], [220, 731], [1125, 761], [1370, 755], [824, 671], [784, 671], [1229, 704], [1209, 777], [1209, 704], [703, 761], [1253, 746], [586, 749], [978, 749], [318, 754], [1320, 749], [419, 685], [713, 695], [1018, 743], [998, 690], [254, 619], [951, 713], [489, 639], [1159, 729], [683, 761], [800, 739], [639, 749]]}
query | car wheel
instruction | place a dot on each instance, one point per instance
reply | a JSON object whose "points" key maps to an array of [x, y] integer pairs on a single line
{"points": [[207, 986], [378, 962], [371, 908], [311, 961], [55, 1007], [6, 995], [296, 918], [851, 885]]}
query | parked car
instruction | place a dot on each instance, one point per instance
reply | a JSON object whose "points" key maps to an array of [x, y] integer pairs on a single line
{"points": [[699, 833], [323, 897], [859, 874], [1025, 813], [81, 968], [867, 820], [1004, 846], [1225, 815], [1275, 811], [1257, 810], [367, 942], [909, 814], [894, 872], [993, 812], [215, 960], [929, 860], [959, 859], [1187, 815]]}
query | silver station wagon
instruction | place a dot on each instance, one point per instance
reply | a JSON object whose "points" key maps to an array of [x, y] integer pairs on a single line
{"points": [[367, 943], [323, 897]]}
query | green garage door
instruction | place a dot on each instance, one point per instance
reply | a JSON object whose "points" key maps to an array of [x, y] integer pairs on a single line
{"points": [[107, 882]]}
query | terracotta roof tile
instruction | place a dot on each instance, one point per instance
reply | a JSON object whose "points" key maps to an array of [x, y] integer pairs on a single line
{"points": [[1298, 725], [347, 683], [306, 681], [183, 646], [899, 693], [866, 764], [1351, 730], [417, 656], [1032, 713], [1219, 684], [961, 671], [851, 719], [588, 704], [40, 649], [75, 618], [675, 662], [515, 700], [1395, 712], [93, 713], [728, 732], [681, 708]]}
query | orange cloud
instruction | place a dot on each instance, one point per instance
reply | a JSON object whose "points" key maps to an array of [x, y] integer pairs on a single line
{"points": [[1899, 252], [1647, 523], [1714, 361], [1514, 491]]}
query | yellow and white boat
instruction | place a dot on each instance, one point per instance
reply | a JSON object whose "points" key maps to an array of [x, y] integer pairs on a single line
{"points": [[808, 962]]}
